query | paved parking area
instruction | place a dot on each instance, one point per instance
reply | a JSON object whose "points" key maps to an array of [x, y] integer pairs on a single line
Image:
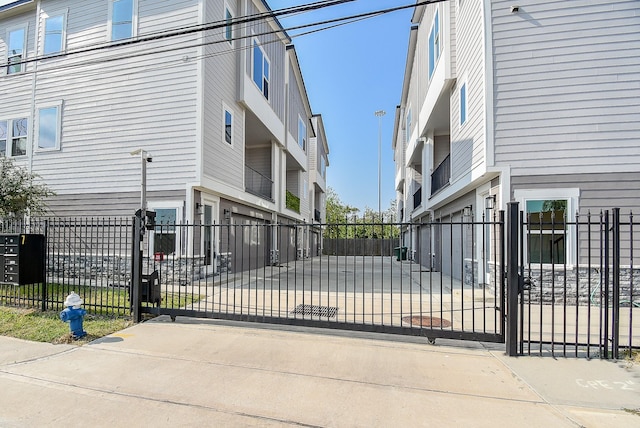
{"points": [[220, 373]]}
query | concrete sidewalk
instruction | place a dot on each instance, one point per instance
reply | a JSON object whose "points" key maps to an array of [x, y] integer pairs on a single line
{"points": [[220, 373]]}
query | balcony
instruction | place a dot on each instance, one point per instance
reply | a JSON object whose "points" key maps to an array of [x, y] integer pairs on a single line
{"points": [[293, 202], [258, 184], [441, 176], [417, 198]]}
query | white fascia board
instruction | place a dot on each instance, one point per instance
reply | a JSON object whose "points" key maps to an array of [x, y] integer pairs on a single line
{"points": [[489, 124]]}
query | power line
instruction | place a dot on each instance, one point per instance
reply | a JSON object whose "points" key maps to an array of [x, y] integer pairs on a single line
{"points": [[222, 24], [180, 31]]}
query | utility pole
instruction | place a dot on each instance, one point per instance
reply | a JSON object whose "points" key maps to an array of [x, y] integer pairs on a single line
{"points": [[380, 114]]}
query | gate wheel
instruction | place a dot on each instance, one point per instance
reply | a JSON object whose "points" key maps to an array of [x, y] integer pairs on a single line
{"points": [[431, 340]]}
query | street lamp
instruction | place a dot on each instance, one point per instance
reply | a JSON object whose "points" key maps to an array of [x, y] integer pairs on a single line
{"points": [[144, 158], [379, 114]]}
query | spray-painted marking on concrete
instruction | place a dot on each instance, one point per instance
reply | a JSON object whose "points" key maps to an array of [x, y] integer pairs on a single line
{"points": [[628, 385]]}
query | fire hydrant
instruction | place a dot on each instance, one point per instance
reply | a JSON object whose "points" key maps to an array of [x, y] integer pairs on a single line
{"points": [[74, 315]]}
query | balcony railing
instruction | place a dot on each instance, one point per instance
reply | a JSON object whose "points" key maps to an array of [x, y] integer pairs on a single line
{"points": [[440, 177], [417, 198], [258, 184]]}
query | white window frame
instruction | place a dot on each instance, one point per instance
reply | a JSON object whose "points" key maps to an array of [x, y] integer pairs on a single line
{"points": [[265, 59], [168, 205], [58, 107], [6, 138], [134, 21], [572, 196], [63, 36], [225, 110], [302, 133], [23, 66], [10, 136], [434, 54], [228, 28], [463, 102]]}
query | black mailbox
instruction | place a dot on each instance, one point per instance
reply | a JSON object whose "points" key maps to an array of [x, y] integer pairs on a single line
{"points": [[150, 286], [22, 259]]}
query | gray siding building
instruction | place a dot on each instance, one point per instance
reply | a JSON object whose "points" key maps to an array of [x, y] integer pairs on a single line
{"points": [[538, 103], [220, 106]]}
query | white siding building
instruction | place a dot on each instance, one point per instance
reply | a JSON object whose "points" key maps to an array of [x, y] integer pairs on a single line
{"points": [[538, 104], [217, 100]]}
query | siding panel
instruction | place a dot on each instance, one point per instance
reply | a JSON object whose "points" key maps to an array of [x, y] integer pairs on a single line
{"points": [[468, 140], [222, 162], [567, 94], [119, 99]]}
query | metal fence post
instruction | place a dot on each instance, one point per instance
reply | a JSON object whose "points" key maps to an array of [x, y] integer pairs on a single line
{"points": [[512, 279], [604, 308], [136, 267], [45, 266], [615, 310]]}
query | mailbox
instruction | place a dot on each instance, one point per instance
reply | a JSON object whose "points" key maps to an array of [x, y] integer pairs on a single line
{"points": [[22, 258]]}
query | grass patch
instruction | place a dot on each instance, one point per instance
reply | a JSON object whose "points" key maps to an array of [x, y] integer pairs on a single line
{"points": [[633, 411], [30, 324], [633, 357], [107, 301]]}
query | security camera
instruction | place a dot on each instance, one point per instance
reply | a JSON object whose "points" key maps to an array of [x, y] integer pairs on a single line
{"points": [[149, 159]]}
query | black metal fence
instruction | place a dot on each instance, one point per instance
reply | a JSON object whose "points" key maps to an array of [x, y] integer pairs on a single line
{"points": [[564, 286], [579, 284], [286, 274], [91, 256]]}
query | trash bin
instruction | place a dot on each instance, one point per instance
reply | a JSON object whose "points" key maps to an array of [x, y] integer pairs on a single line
{"points": [[401, 253]]}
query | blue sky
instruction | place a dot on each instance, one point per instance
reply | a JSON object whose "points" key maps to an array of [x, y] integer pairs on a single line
{"points": [[350, 72]]}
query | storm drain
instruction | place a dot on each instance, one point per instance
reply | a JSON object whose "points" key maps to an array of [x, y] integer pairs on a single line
{"points": [[425, 321], [316, 311]]}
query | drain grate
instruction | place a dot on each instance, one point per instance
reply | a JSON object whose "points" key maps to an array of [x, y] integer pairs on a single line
{"points": [[316, 311], [424, 321]]}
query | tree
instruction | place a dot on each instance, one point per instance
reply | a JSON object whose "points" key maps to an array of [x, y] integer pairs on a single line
{"points": [[343, 222], [337, 213], [20, 192]]}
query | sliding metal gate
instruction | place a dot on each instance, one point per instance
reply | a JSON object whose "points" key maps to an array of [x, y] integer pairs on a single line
{"points": [[371, 280]]}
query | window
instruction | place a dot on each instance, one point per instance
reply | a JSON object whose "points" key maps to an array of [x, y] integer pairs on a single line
{"points": [[164, 233], [54, 34], [546, 231], [228, 126], [49, 128], [323, 167], [261, 69], [15, 53], [463, 103], [548, 238], [123, 19], [13, 137], [302, 133], [434, 44], [228, 29]]}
